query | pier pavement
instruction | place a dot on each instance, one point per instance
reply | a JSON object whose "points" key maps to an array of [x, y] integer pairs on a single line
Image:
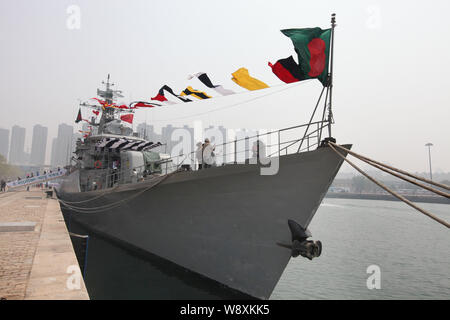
{"points": [[37, 260]]}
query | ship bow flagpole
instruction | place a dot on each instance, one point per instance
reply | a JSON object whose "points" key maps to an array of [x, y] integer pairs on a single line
{"points": [[330, 77]]}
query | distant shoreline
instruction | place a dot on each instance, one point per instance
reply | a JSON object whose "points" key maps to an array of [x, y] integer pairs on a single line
{"points": [[387, 197]]}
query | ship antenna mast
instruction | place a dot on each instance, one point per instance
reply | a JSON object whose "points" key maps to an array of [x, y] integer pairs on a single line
{"points": [[330, 77], [108, 113]]}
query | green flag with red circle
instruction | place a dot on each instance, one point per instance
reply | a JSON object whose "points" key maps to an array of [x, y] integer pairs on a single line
{"points": [[313, 49]]}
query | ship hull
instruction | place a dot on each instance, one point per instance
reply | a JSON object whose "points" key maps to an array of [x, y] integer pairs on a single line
{"points": [[223, 225]]}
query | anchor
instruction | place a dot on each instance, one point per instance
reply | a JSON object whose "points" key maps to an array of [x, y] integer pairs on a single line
{"points": [[300, 245]]}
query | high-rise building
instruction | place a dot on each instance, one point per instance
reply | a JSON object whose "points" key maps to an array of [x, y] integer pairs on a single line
{"points": [[26, 157], [16, 151], [147, 131], [53, 159], [4, 143], [190, 136], [38, 145], [62, 148], [75, 138], [166, 136]]}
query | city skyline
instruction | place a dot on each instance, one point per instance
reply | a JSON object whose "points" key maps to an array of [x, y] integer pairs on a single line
{"points": [[68, 135], [66, 140], [57, 155]]}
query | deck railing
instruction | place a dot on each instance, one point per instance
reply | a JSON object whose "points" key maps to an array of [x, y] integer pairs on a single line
{"points": [[271, 144], [274, 143]]}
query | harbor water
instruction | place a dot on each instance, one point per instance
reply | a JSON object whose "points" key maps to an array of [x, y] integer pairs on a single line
{"points": [[410, 250]]}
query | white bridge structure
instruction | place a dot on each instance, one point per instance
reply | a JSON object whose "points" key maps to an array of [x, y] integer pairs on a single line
{"points": [[37, 179]]}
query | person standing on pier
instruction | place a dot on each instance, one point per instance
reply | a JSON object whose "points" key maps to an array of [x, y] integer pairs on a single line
{"points": [[3, 185]]}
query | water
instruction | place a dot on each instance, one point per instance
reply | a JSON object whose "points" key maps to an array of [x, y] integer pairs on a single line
{"points": [[412, 251]]}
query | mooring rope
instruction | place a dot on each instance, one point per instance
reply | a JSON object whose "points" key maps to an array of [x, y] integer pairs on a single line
{"points": [[395, 194], [394, 169], [114, 204], [93, 198], [78, 235], [107, 206], [366, 160]]}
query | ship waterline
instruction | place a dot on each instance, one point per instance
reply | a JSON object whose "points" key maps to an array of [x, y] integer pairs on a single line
{"points": [[223, 223]]}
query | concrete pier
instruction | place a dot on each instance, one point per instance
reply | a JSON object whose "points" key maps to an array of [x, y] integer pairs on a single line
{"points": [[37, 260]]}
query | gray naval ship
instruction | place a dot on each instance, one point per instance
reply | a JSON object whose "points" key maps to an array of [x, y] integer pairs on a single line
{"points": [[229, 228]]}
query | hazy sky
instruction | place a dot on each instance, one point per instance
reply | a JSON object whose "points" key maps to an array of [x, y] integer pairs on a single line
{"points": [[392, 66]]}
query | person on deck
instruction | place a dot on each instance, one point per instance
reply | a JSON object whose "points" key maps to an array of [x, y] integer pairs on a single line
{"points": [[259, 149], [115, 168], [199, 155], [208, 159], [134, 176]]}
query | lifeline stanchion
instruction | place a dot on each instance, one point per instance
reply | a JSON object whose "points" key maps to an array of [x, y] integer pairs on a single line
{"points": [[400, 197]]}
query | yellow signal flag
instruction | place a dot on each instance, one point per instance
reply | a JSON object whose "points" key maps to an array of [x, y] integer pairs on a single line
{"points": [[189, 91], [243, 78]]}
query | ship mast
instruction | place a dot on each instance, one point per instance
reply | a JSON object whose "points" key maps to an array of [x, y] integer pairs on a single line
{"points": [[330, 77], [327, 104], [108, 113]]}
